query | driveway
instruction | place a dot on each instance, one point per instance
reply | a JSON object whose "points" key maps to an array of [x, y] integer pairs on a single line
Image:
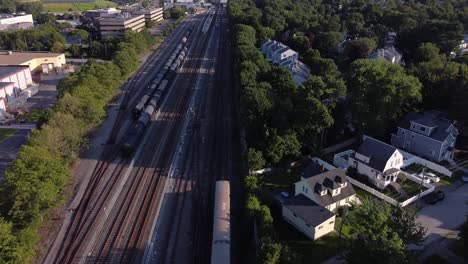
{"points": [[443, 218]]}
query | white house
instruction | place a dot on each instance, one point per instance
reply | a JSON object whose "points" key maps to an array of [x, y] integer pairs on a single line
{"points": [[280, 54], [388, 53], [299, 70], [379, 161], [329, 189], [310, 218], [277, 51], [318, 195]]}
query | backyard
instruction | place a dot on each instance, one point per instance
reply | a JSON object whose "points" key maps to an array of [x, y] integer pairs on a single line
{"points": [[6, 132], [315, 251], [77, 6]]}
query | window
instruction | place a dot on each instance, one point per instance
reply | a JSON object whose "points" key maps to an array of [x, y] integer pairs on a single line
{"points": [[402, 132], [320, 227], [331, 222], [423, 129]]}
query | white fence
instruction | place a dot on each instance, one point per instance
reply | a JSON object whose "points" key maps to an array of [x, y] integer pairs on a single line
{"points": [[325, 164], [341, 159], [373, 191], [410, 159], [389, 199]]}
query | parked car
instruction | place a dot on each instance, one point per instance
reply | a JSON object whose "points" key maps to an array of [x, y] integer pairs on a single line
{"points": [[285, 194], [434, 197], [432, 177], [425, 178], [465, 178]]}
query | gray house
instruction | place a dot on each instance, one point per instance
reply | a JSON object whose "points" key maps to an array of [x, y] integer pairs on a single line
{"points": [[429, 135]]}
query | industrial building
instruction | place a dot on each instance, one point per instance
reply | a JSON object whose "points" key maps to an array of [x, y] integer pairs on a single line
{"points": [[37, 61], [12, 22], [115, 26], [93, 14], [16, 85]]}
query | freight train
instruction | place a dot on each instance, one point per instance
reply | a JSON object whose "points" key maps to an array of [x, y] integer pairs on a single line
{"points": [[152, 98], [221, 244]]}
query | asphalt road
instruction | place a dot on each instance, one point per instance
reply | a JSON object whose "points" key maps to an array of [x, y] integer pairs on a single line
{"points": [[443, 218]]}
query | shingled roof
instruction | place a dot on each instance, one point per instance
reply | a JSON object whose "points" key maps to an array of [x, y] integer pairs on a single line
{"points": [[429, 119], [378, 152], [330, 180], [312, 213]]}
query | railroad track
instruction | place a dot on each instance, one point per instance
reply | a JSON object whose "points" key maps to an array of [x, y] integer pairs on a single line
{"points": [[182, 181], [90, 206], [133, 90]]}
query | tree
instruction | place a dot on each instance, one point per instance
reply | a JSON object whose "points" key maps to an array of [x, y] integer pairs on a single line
{"points": [[80, 34], [8, 245], [251, 184], [33, 184], [7, 6], [381, 236], [280, 147], [381, 93], [359, 48], [328, 42], [270, 252], [57, 47], [255, 159], [75, 50]]}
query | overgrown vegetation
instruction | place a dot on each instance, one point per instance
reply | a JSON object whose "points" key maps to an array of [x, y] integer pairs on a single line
{"points": [[37, 180], [382, 234]]}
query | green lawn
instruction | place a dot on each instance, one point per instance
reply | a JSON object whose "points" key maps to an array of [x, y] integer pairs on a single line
{"points": [[70, 6], [282, 179], [346, 228], [363, 194], [6, 132]]}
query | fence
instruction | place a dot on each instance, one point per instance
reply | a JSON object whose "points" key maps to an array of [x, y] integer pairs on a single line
{"points": [[325, 164], [410, 159], [389, 199], [416, 197], [341, 159], [373, 191]]}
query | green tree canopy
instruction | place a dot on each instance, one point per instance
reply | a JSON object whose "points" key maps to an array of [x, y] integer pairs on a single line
{"points": [[381, 93]]}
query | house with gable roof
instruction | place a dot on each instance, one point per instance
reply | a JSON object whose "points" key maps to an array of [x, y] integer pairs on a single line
{"points": [[429, 135], [318, 195], [379, 161]]}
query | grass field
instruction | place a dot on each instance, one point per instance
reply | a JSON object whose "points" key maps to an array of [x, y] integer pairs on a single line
{"points": [[6, 132], [70, 6]]}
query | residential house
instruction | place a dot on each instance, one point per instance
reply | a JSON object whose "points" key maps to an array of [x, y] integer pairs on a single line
{"points": [[317, 199], [388, 53], [310, 218], [299, 70], [463, 47], [379, 161], [429, 135], [277, 51], [281, 55]]}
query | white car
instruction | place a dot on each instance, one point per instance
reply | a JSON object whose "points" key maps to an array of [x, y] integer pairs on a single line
{"points": [[426, 179], [432, 177]]}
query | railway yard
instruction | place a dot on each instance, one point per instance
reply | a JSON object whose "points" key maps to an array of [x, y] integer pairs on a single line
{"points": [[151, 195]]}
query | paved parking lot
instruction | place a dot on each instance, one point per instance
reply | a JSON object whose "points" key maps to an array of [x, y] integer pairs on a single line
{"points": [[10, 147]]}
